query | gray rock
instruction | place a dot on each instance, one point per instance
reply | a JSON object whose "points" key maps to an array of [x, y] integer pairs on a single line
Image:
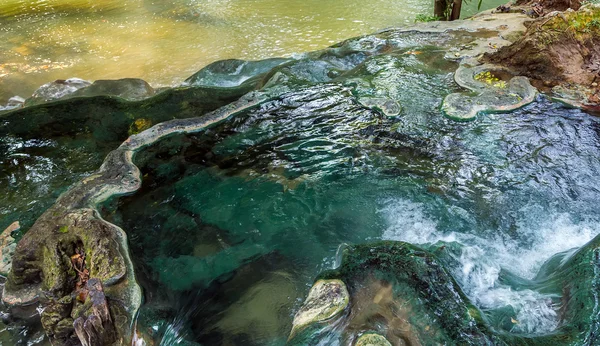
{"points": [[56, 90], [131, 89], [486, 97]]}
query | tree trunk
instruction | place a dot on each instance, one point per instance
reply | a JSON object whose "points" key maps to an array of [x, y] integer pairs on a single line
{"points": [[456, 5], [439, 9]]}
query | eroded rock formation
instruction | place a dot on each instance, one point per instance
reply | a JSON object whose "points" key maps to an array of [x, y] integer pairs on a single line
{"points": [[560, 49]]}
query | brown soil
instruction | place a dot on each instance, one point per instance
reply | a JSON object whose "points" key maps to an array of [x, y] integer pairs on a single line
{"points": [[557, 50]]}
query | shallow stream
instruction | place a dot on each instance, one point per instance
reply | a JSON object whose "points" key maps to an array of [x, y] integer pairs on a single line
{"points": [[164, 42]]}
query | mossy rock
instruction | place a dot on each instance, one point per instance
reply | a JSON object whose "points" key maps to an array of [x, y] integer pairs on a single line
{"points": [[405, 293], [326, 299], [372, 339]]}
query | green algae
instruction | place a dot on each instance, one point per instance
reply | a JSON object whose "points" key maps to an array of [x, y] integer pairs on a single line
{"points": [[139, 125]]}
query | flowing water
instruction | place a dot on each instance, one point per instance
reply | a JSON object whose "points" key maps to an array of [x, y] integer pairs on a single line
{"points": [[164, 42], [243, 217], [233, 223]]}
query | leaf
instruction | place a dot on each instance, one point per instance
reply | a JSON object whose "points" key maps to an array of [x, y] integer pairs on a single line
{"points": [[479, 5], [82, 295]]}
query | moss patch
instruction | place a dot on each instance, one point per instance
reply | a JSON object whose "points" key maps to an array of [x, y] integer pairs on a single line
{"points": [[139, 125]]}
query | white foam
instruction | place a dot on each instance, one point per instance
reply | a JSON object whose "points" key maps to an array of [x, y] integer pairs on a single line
{"points": [[541, 235]]}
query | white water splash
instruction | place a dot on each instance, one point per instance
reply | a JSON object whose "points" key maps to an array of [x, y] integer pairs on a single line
{"points": [[482, 258]]}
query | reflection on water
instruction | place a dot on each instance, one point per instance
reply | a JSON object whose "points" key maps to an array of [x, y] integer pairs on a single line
{"points": [[166, 41]]}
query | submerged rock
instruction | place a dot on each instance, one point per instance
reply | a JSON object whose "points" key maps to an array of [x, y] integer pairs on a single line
{"points": [[406, 294], [388, 107]]}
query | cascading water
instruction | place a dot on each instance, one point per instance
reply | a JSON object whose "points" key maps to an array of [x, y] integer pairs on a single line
{"points": [[233, 219], [482, 260]]}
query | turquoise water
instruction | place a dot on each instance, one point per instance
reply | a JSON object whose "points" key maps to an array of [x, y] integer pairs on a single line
{"points": [[239, 219], [233, 223]]}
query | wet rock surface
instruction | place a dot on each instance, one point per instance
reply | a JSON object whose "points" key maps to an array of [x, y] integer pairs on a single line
{"points": [[326, 299], [94, 326], [345, 110], [371, 339], [7, 247], [487, 93], [13, 103], [44, 272], [405, 294], [56, 90], [130, 89], [233, 72]]}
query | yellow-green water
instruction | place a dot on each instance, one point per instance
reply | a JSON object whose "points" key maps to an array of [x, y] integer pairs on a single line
{"points": [[164, 42]]}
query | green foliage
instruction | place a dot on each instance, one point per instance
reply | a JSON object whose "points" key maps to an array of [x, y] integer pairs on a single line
{"points": [[64, 229], [594, 23], [426, 18], [580, 24]]}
